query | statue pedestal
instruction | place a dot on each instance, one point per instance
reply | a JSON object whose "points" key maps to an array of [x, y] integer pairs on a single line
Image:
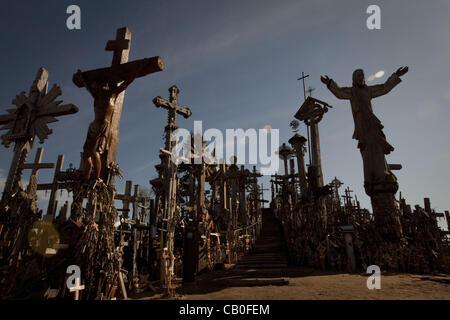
{"points": [[387, 216]]}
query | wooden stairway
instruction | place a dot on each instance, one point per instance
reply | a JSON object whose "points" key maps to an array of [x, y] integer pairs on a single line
{"points": [[269, 251]]}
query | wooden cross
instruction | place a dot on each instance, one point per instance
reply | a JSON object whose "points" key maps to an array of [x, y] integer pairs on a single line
{"points": [[447, 218], [52, 203], [303, 77], [427, 205], [347, 196], [173, 108], [77, 289], [30, 118], [169, 176], [310, 90], [54, 187], [36, 165], [336, 184], [126, 199], [119, 71]]}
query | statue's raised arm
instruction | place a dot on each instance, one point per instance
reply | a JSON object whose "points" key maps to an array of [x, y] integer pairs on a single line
{"points": [[340, 93], [391, 82]]}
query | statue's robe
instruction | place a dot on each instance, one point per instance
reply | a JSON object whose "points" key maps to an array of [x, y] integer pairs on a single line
{"points": [[368, 128]]}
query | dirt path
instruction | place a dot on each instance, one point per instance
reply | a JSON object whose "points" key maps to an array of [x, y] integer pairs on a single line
{"points": [[295, 283]]}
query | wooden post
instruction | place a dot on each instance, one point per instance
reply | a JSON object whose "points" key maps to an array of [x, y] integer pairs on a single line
{"points": [[447, 218], [223, 186], [315, 151], [298, 142], [427, 205], [51, 209], [134, 273]]}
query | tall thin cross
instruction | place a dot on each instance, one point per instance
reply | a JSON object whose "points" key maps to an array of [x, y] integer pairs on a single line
{"points": [[303, 77], [29, 119], [168, 175]]}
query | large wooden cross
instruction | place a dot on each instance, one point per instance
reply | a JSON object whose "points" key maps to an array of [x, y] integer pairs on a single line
{"points": [[119, 71], [29, 119]]}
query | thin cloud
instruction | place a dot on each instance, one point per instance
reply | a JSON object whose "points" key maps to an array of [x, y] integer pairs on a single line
{"points": [[376, 75]]}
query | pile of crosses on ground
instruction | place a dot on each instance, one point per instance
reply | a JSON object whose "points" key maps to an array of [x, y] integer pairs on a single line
{"points": [[105, 245], [322, 231]]}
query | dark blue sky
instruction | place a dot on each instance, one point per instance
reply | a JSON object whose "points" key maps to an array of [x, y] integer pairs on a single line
{"points": [[236, 63]]}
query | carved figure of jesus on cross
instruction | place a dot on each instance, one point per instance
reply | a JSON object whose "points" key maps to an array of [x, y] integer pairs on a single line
{"points": [[107, 87]]}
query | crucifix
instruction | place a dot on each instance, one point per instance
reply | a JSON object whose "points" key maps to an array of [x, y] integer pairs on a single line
{"points": [[173, 108], [336, 184], [29, 119], [107, 86], [168, 175], [164, 168]]}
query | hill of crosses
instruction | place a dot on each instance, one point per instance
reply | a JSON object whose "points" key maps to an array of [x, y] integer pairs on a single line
{"points": [[201, 219]]}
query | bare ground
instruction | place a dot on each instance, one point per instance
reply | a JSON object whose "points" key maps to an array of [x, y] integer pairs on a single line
{"points": [[294, 283]]}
